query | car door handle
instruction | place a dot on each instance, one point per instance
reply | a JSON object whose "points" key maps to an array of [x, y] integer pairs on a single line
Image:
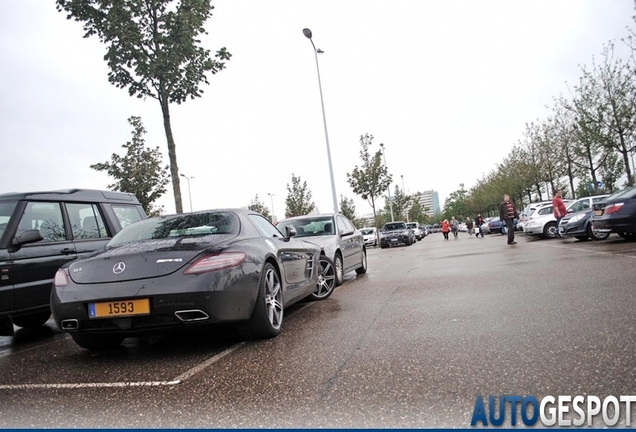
{"points": [[67, 251]]}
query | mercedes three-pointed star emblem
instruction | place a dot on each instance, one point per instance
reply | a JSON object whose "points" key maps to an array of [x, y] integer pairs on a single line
{"points": [[119, 267]]}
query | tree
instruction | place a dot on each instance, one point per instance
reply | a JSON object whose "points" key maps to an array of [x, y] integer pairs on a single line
{"points": [[154, 51], [457, 203], [348, 210], [401, 203], [372, 178], [298, 201], [258, 206], [138, 172]]}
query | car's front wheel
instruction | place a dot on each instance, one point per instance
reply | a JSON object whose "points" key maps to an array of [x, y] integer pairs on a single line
{"points": [[363, 267], [550, 230], [97, 342], [326, 279], [267, 316], [33, 320]]}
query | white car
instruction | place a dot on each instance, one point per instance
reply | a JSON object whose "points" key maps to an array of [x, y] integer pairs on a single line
{"points": [[542, 221], [370, 236]]}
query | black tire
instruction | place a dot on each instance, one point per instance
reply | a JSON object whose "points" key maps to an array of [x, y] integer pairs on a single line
{"points": [[95, 342], [337, 262], [32, 321], [267, 316], [627, 236], [596, 235], [550, 230], [326, 279], [363, 269]]}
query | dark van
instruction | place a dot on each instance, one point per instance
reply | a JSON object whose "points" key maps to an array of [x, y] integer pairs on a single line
{"points": [[39, 232]]}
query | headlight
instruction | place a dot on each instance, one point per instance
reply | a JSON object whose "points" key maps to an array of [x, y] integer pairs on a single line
{"points": [[577, 218]]}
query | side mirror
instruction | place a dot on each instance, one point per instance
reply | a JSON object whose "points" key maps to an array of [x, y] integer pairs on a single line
{"points": [[290, 231], [29, 236], [347, 233], [570, 211]]}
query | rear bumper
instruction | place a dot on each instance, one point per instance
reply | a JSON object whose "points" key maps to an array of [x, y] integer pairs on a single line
{"points": [[615, 224]]}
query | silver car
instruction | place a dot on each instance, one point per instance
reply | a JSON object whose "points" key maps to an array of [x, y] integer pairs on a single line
{"points": [[337, 238]]}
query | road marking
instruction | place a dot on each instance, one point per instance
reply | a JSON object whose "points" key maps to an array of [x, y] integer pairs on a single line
{"points": [[178, 380]]}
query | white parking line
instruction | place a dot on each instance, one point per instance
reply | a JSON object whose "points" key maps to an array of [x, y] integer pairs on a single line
{"points": [[178, 380]]}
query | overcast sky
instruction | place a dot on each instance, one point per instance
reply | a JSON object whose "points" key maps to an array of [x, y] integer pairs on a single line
{"points": [[447, 86]]}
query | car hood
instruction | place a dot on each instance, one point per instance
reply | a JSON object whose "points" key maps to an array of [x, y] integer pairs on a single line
{"points": [[143, 260], [320, 241]]}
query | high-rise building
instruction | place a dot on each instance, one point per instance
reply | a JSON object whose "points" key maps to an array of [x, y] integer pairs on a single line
{"points": [[430, 201]]}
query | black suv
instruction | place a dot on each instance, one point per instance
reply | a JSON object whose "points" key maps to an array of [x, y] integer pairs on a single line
{"points": [[40, 231], [394, 233]]}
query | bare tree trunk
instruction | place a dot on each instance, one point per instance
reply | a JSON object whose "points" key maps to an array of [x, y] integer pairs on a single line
{"points": [[172, 154]]}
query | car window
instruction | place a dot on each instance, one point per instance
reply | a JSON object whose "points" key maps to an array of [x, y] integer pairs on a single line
{"points": [[6, 210], [183, 225], [345, 224], [394, 226], [86, 221], [598, 199], [265, 226], [545, 210], [46, 217], [126, 214], [310, 226]]}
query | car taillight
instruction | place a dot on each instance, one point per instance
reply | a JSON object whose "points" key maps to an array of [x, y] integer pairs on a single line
{"points": [[60, 279], [613, 208], [216, 262]]}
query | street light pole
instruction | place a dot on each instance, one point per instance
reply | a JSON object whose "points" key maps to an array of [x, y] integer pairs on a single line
{"points": [[271, 195], [389, 188], [308, 34], [189, 190]]}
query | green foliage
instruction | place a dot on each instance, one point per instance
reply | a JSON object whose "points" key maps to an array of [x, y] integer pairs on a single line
{"points": [[348, 209], [418, 213], [371, 179], [152, 49], [401, 204], [457, 204], [258, 206], [138, 172], [298, 201]]}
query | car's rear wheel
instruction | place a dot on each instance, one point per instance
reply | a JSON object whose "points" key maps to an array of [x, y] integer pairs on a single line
{"points": [[550, 230], [97, 342], [267, 316], [33, 320], [596, 235], [326, 279], [363, 268], [337, 262]]}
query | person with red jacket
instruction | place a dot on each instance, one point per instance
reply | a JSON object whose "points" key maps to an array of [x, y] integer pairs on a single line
{"points": [[445, 228], [558, 208]]}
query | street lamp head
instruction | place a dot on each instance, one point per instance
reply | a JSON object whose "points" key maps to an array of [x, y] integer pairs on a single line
{"points": [[182, 175], [307, 33], [319, 51]]}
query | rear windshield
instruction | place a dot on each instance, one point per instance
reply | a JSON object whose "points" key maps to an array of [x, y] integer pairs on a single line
{"points": [[622, 194], [411, 225], [6, 210], [185, 225]]}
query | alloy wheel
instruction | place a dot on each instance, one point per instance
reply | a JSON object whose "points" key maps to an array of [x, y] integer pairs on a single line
{"points": [[273, 298]]}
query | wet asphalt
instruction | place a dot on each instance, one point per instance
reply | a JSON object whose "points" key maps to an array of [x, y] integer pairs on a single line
{"points": [[410, 344]]}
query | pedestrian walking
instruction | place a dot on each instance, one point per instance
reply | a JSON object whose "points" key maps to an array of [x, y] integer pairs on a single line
{"points": [[445, 228], [469, 226], [454, 225], [507, 215], [559, 210], [479, 221]]}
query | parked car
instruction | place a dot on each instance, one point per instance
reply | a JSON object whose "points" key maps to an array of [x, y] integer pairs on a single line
{"points": [[337, 238], [417, 230], [183, 270], [543, 223], [41, 231], [617, 214], [428, 229], [494, 225], [395, 233], [577, 223], [370, 236]]}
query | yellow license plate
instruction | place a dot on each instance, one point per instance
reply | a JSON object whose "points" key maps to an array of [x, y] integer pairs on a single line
{"points": [[598, 212], [120, 308]]}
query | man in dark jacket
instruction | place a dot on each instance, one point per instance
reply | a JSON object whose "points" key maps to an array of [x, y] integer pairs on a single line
{"points": [[479, 221], [507, 215]]}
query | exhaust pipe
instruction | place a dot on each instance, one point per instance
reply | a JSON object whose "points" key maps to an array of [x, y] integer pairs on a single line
{"points": [[191, 315], [69, 324]]}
